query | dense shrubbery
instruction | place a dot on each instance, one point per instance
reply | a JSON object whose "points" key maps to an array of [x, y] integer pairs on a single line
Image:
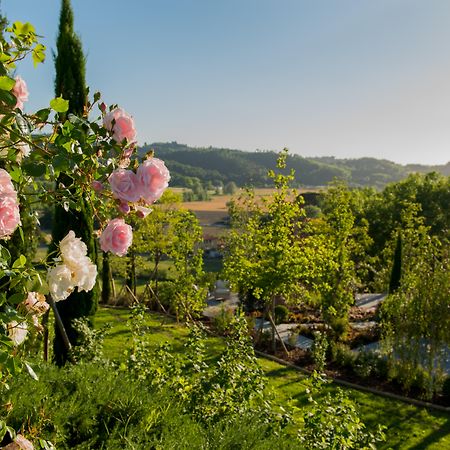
{"points": [[93, 406]]}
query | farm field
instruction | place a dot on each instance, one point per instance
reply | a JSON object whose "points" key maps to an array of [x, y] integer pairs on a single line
{"points": [[408, 427]]}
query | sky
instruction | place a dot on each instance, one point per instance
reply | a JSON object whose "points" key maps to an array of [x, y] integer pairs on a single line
{"points": [[343, 78]]}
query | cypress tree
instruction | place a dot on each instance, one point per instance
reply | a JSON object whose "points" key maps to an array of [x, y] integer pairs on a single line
{"points": [[396, 273], [70, 84]]}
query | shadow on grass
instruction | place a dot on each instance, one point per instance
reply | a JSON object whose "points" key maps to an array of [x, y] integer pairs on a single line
{"points": [[434, 437]]}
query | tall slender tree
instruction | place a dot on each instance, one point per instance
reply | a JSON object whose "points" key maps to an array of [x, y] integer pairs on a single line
{"points": [[70, 84]]}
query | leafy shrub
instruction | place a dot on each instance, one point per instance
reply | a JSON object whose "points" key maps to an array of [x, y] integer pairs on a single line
{"points": [[364, 364], [333, 422], [319, 350], [281, 314], [223, 320], [342, 355], [412, 377], [90, 406], [90, 342]]}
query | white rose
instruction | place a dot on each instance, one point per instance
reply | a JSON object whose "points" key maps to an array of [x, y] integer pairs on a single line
{"points": [[17, 331], [60, 282], [84, 274], [73, 249], [35, 303]]}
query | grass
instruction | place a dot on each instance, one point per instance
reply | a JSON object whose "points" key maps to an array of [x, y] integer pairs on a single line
{"points": [[408, 427]]}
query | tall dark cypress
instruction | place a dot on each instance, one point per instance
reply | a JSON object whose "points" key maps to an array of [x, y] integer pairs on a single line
{"points": [[396, 273], [70, 84]]}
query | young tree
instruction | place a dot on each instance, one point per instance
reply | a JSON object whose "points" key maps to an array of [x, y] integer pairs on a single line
{"points": [[187, 255], [266, 252], [77, 214], [340, 278]]}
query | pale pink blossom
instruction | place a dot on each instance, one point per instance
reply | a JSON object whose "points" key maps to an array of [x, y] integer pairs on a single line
{"points": [[19, 443], [17, 332], [6, 186], [35, 304], [20, 91], [142, 212], [9, 214], [116, 237], [123, 126], [124, 185], [153, 178]]}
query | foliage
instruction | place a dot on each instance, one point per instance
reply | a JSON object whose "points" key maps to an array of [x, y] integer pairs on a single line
{"points": [[281, 314], [230, 188], [334, 423], [210, 391], [89, 406], [266, 252], [90, 347], [416, 318], [319, 350], [396, 273], [346, 242]]}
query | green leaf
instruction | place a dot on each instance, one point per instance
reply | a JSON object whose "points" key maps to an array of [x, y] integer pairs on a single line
{"points": [[38, 54], [16, 174], [35, 170], [21, 29], [59, 105], [43, 114], [8, 98], [7, 83], [15, 299], [60, 163], [19, 262]]}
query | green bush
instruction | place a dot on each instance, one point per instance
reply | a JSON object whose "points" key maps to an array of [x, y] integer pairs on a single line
{"points": [[281, 314], [342, 355], [97, 406]]}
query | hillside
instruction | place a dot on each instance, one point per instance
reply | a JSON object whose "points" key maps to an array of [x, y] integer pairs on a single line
{"points": [[222, 165]]}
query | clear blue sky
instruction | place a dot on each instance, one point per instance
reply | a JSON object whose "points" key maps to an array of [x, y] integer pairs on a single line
{"points": [[347, 78]]}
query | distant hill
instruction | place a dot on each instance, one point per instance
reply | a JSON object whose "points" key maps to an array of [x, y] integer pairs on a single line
{"points": [[223, 165]]}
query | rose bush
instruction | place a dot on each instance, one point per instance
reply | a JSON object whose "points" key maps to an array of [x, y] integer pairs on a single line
{"points": [[95, 150]]}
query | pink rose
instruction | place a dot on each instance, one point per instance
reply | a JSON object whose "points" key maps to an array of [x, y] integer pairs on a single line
{"points": [[20, 91], [9, 215], [6, 186], [153, 178], [116, 237], [124, 185], [123, 127]]}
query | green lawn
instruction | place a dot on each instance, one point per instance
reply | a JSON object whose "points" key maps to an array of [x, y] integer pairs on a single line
{"points": [[409, 427]]}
